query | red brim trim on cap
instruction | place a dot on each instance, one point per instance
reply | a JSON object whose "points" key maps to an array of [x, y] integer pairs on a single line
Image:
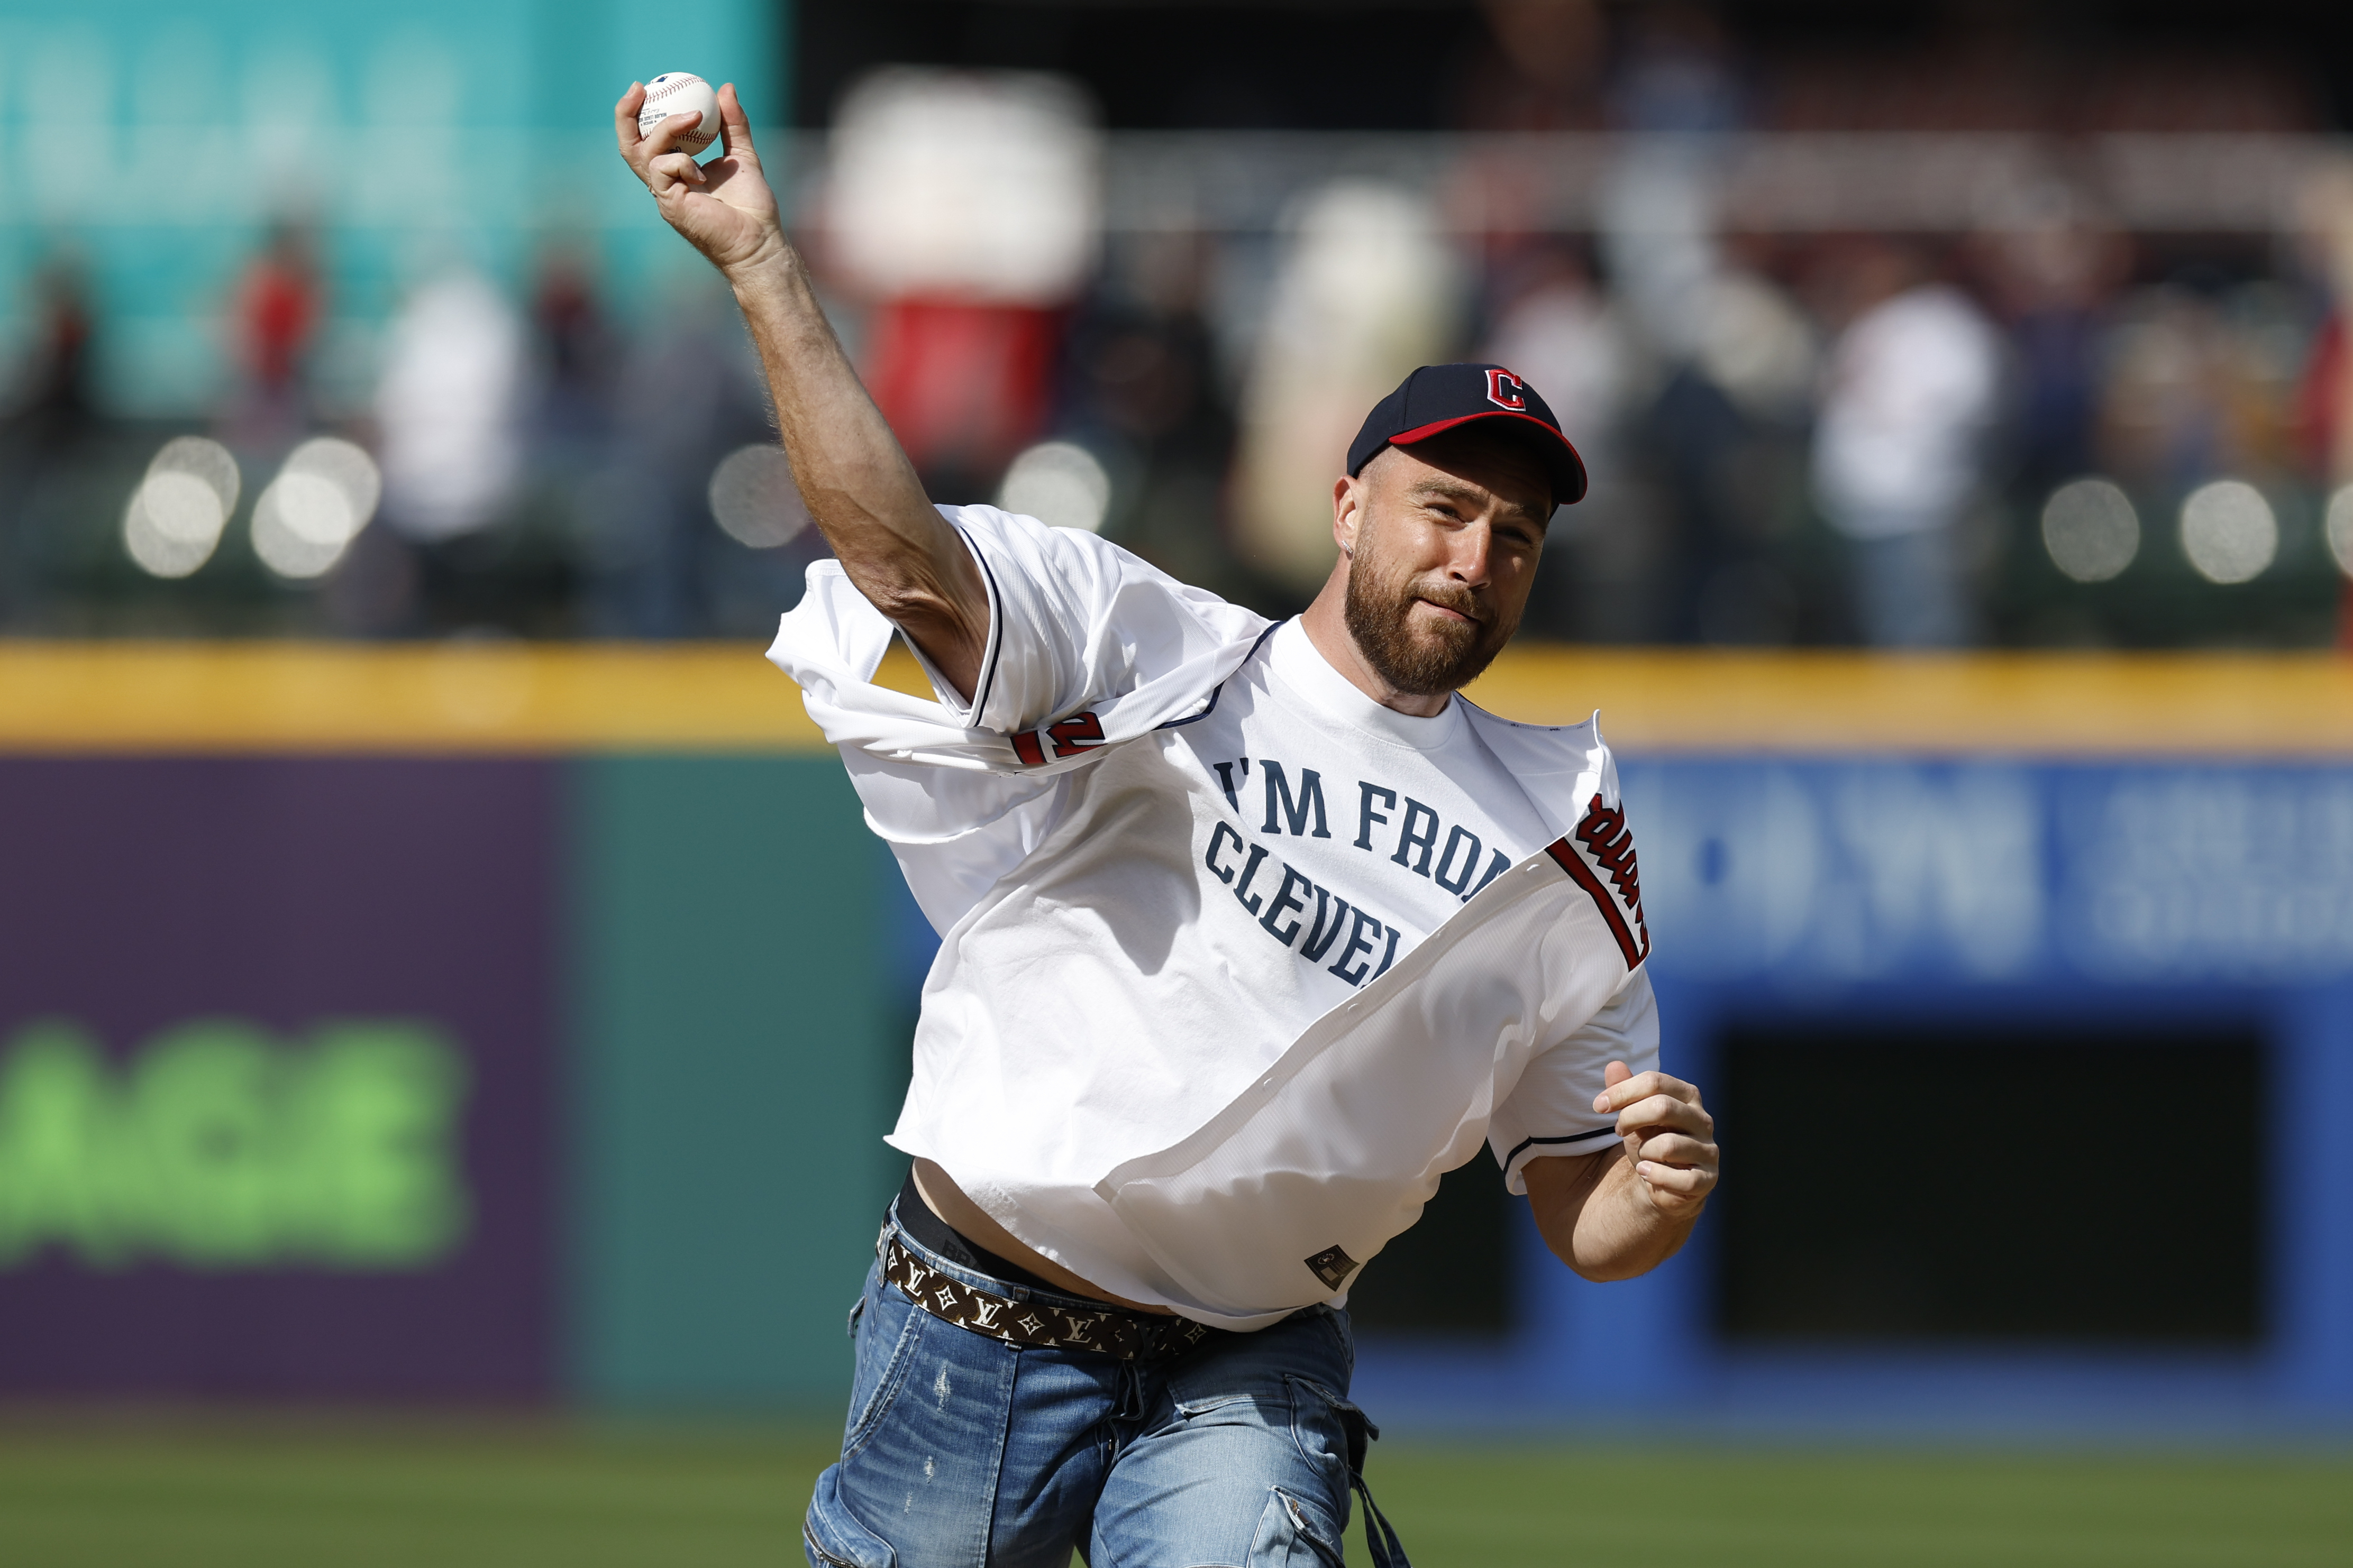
{"points": [[1423, 433]]}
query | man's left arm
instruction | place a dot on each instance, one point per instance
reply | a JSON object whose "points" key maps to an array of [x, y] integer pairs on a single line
{"points": [[1625, 1210]]}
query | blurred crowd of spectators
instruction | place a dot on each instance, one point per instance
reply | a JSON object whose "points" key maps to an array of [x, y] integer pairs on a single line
{"points": [[2039, 430], [532, 469]]}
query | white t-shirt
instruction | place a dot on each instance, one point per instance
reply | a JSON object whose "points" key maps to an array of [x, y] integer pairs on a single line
{"points": [[1182, 910], [1911, 389]]}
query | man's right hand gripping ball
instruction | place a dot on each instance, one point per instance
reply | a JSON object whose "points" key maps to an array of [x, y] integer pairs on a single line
{"points": [[724, 207]]}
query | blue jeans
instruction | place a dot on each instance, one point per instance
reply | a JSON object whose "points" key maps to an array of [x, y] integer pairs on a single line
{"points": [[1911, 590], [963, 1451]]}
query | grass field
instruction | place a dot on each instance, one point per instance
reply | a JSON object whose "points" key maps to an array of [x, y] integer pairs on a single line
{"points": [[75, 1493]]}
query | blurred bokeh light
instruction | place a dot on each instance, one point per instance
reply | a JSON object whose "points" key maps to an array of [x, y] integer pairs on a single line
{"points": [[2091, 530], [308, 516], [2336, 527], [753, 498], [1059, 483], [2229, 532], [174, 517]]}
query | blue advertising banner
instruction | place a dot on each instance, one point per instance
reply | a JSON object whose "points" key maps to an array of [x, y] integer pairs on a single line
{"points": [[1784, 875]]}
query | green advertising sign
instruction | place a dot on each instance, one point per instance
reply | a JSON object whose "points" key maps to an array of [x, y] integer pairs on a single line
{"points": [[220, 1146]]}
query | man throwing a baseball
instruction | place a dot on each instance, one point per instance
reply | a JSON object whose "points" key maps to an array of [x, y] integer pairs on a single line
{"points": [[1250, 932]]}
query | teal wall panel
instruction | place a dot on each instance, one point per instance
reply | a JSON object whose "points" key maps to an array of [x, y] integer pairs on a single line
{"points": [[734, 1068], [210, 118]]}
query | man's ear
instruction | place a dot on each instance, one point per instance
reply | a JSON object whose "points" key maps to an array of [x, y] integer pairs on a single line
{"points": [[1347, 512]]}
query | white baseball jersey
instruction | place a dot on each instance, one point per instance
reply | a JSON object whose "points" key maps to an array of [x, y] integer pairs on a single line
{"points": [[1236, 961]]}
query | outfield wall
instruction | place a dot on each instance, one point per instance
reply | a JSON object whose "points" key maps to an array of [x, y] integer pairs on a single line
{"points": [[617, 908], [520, 1024]]}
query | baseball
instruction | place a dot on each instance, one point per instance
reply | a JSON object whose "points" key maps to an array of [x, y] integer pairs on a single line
{"points": [[682, 92]]}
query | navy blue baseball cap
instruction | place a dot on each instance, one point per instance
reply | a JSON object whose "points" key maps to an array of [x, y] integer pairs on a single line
{"points": [[1446, 396]]}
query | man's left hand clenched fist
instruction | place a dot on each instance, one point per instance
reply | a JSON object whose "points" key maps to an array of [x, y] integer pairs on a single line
{"points": [[1668, 1136]]}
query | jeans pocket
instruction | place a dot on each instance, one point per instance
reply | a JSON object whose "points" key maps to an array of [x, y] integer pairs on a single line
{"points": [[1224, 1400], [880, 1376], [1294, 1533], [1329, 1430], [832, 1536], [1333, 1434]]}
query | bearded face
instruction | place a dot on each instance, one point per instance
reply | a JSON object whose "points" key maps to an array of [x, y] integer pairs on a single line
{"points": [[1417, 652]]}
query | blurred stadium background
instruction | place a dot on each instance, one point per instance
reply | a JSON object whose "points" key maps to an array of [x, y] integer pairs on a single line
{"points": [[449, 1006]]}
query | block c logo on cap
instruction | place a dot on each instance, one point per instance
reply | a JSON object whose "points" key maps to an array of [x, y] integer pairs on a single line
{"points": [[1503, 391]]}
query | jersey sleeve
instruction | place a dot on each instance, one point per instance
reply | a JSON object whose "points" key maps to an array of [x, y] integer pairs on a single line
{"points": [[1550, 1110], [1073, 620]]}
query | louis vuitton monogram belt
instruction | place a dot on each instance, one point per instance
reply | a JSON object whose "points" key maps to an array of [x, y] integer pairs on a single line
{"points": [[1105, 1331]]}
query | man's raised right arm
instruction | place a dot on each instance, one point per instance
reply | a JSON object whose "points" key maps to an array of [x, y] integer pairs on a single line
{"points": [[862, 491]]}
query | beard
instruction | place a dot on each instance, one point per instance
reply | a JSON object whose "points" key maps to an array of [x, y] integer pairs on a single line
{"points": [[1438, 657]]}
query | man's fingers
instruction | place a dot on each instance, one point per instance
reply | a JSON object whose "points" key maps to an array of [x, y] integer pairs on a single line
{"points": [[735, 127], [1668, 1132], [1643, 1085], [653, 153], [1625, 1090], [1665, 1111], [1676, 1149], [664, 137], [1682, 1181], [625, 127], [678, 168]]}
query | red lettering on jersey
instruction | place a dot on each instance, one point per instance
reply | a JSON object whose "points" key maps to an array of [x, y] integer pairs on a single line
{"points": [[1603, 831], [1503, 391], [1606, 838], [1078, 733]]}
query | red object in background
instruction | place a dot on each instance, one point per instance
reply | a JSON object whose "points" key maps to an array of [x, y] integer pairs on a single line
{"points": [[277, 310], [2321, 417], [566, 308], [964, 386], [2320, 400], [59, 386]]}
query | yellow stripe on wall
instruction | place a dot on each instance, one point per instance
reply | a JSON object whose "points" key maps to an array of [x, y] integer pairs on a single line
{"points": [[286, 697], [458, 697], [2274, 705]]}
